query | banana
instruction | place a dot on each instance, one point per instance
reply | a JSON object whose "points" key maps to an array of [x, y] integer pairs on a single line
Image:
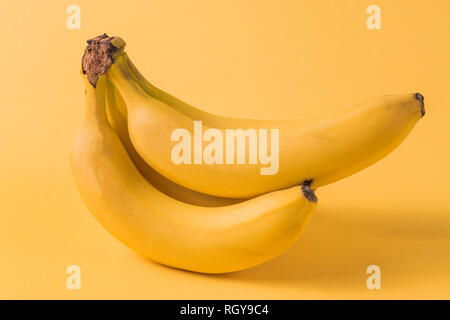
{"points": [[168, 231], [115, 108], [319, 151], [215, 121]]}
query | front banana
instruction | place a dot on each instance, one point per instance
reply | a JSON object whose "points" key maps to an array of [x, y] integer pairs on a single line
{"points": [[202, 239]]}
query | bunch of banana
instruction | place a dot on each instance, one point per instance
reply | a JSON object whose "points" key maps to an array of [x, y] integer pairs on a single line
{"points": [[211, 218]]}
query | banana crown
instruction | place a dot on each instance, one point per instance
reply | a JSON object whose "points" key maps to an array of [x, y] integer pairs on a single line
{"points": [[99, 55]]}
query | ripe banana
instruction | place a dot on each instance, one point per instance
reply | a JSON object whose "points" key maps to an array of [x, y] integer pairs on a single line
{"points": [[321, 150], [202, 239], [215, 121], [115, 108]]}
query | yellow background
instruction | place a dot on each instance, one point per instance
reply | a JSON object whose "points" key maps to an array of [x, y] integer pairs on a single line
{"points": [[263, 59]]}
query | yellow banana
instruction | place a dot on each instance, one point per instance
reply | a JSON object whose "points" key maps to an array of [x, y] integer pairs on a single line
{"points": [[202, 239], [215, 121], [320, 150], [115, 108]]}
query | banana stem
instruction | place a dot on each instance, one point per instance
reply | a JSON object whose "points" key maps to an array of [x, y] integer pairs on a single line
{"points": [[99, 55]]}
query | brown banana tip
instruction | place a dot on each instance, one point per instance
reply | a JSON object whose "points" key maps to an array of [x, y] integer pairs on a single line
{"points": [[308, 192], [99, 56], [421, 99]]}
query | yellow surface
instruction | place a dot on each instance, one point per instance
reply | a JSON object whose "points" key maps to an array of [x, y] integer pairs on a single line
{"points": [[279, 59]]}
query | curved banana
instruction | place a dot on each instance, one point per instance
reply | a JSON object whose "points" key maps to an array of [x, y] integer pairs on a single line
{"points": [[213, 120], [115, 108], [202, 239], [321, 150]]}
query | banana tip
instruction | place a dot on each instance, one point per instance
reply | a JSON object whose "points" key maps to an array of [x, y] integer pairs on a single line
{"points": [[99, 55], [421, 99], [308, 192]]}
